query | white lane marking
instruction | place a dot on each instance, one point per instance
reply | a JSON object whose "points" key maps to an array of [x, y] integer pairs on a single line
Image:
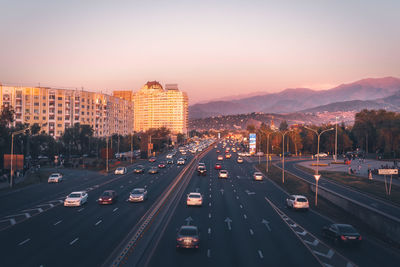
{"points": [[114, 210], [260, 254], [99, 222], [266, 223], [73, 241], [57, 222], [241, 206], [234, 190], [228, 222], [130, 182], [23, 242], [209, 204], [314, 243], [245, 216], [302, 233], [209, 231], [210, 195], [327, 255], [237, 197], [209, 215], [121, 186], [210, 188], [251, 232], [81, 209], [209, 253]]}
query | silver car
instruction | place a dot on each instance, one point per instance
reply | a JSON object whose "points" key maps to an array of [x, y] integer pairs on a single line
{"points": [[138, 195]]}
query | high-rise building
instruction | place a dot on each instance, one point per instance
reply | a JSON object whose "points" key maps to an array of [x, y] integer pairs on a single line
{"points": [[156, 107], [57, 109]]}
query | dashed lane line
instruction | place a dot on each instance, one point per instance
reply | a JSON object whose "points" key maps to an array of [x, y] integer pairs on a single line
{"points": [[114, 210], [74, 241], [251, 231], [260, 254], [57, 222], [99, 222], [23, 242]]}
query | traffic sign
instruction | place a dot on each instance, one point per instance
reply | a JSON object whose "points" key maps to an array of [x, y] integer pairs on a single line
{"points": [[317, 176]]}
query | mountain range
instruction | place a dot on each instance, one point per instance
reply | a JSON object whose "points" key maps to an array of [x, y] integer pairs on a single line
{"points": [[371, 93]]}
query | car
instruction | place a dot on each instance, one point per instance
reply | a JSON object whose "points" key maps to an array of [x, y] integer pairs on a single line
{"points": [[120, 170], [220, 157], [341, 233], [321, 155], [161, 165], [180, 161], [218, 151], [108, 197], [138, 169], [201, 170], [223, 174], [55, 178], [138, 195], [169, 156], [217, 166], [77, 198], [183, 152], [201, 164], [152, 159], [153, 170], [188, 237], [297, 202], [228, 156], [239, 160], [170, 161], [257, 176], [194, 199]]}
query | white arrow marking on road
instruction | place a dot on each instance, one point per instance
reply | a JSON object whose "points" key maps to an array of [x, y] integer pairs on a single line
{"points": [[98, 222], [23, 242], [327, 255], [228, 222], [57, 222], [314, 243], [222, 191], [302, 233], [73, 241], [188, 220], [266, 223]]}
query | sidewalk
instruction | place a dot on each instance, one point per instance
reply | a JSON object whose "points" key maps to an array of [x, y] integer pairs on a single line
{"points": [[360, 167]]}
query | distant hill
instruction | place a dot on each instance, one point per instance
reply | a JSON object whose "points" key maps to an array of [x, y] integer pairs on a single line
{"points": [[298, 99]]}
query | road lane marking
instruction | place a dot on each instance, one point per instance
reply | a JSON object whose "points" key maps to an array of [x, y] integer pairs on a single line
{"points": [[328, 255], [209, 231], [73, 241], [251, 231], [57, 222], [241, 206], [210, 195], [237, 197], [99, 222], [209, 215], [209, 204], [245, 216], [260, 254], [114, 210], [81, 209], [208, 253], [228, 222], [210, 188], [121, 186], [23, 242]]}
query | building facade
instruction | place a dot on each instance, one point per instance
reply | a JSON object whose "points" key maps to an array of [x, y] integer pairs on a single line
{"points": [[58, 109], [156, 107]]}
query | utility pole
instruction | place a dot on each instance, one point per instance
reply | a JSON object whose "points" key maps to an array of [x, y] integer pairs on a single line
{"points": [[107, 153], [131, 148], [336, 141]]}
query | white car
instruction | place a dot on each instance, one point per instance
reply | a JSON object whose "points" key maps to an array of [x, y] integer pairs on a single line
{"points": [[180, 161], [223, 174], [321, 155], [169, 156], [138, 195], [120, 170], [258, 176], [194, 199], [76, 199], [297, 202], [55, 178]]}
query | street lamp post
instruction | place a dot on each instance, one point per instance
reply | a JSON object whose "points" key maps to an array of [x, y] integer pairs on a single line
{"points": [[283, 155], [107, 153], [12, 153], [317, 176], [336, 140], [268, 151], [318, 135]]}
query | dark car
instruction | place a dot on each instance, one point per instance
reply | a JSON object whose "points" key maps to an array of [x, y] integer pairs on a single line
{"points": [[341, 233], [108, 197], [170, 161], [188, 237], [201, 170], [138, 169]]}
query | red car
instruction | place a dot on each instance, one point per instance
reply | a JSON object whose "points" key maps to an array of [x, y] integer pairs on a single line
{"points": [[161, 165], [217, 166], [152, 159], [108, 197]]}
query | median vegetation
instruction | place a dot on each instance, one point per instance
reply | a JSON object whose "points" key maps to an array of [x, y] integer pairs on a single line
{"points": [[372, 187]]}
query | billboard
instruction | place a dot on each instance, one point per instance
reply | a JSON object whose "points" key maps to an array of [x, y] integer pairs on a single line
{"points": [[252, 143], [18, 162]]}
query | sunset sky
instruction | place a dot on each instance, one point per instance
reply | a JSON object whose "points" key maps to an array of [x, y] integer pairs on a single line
{"points": [[211, 49]]}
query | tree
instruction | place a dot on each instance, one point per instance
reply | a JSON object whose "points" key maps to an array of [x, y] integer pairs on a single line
{"points": [[283, 126]]}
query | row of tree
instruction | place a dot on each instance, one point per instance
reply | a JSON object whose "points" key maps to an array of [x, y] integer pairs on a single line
{"points": [[373, 132]]}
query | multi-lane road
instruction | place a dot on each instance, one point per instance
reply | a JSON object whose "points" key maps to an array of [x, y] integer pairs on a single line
{"points": [[242, 223]]}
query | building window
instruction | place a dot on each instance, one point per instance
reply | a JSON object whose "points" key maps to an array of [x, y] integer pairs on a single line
{"points": [[59, 111], [59, 125], [59, 98], [27, 118], [27, 111], [36, 118], [44, 111], [60, 105], [44, 118], [59, 118], [83, 113], [44, 104], [36, 104]]}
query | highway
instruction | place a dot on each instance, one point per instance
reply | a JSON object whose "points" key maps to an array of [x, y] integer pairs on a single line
{"points": [[242, 223]]}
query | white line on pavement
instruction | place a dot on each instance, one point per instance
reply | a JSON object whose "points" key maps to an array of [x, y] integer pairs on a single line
{"points": [[209, 204], [209, 231], [99, 222], [57, 222], [245, 216], [210, 195], [73, 241], [237, 197], [209, 215], [23, 242], [209, 253], [251, 232], [241, 206], [114, 210], [260, 254], [81, 209]]}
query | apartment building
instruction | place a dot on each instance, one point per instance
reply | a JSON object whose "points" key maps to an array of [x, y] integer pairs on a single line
{"points": [[58, 109], [156, 107]]}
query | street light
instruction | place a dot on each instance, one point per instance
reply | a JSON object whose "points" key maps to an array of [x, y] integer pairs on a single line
{"points": [[12, 153], [283, 154], [268, 150], [319, 135], [336, 140], [317, 176]]}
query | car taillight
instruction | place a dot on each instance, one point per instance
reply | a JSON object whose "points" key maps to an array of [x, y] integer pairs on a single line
{"points": [[179, 239], [343, 237], [195, 239]]}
